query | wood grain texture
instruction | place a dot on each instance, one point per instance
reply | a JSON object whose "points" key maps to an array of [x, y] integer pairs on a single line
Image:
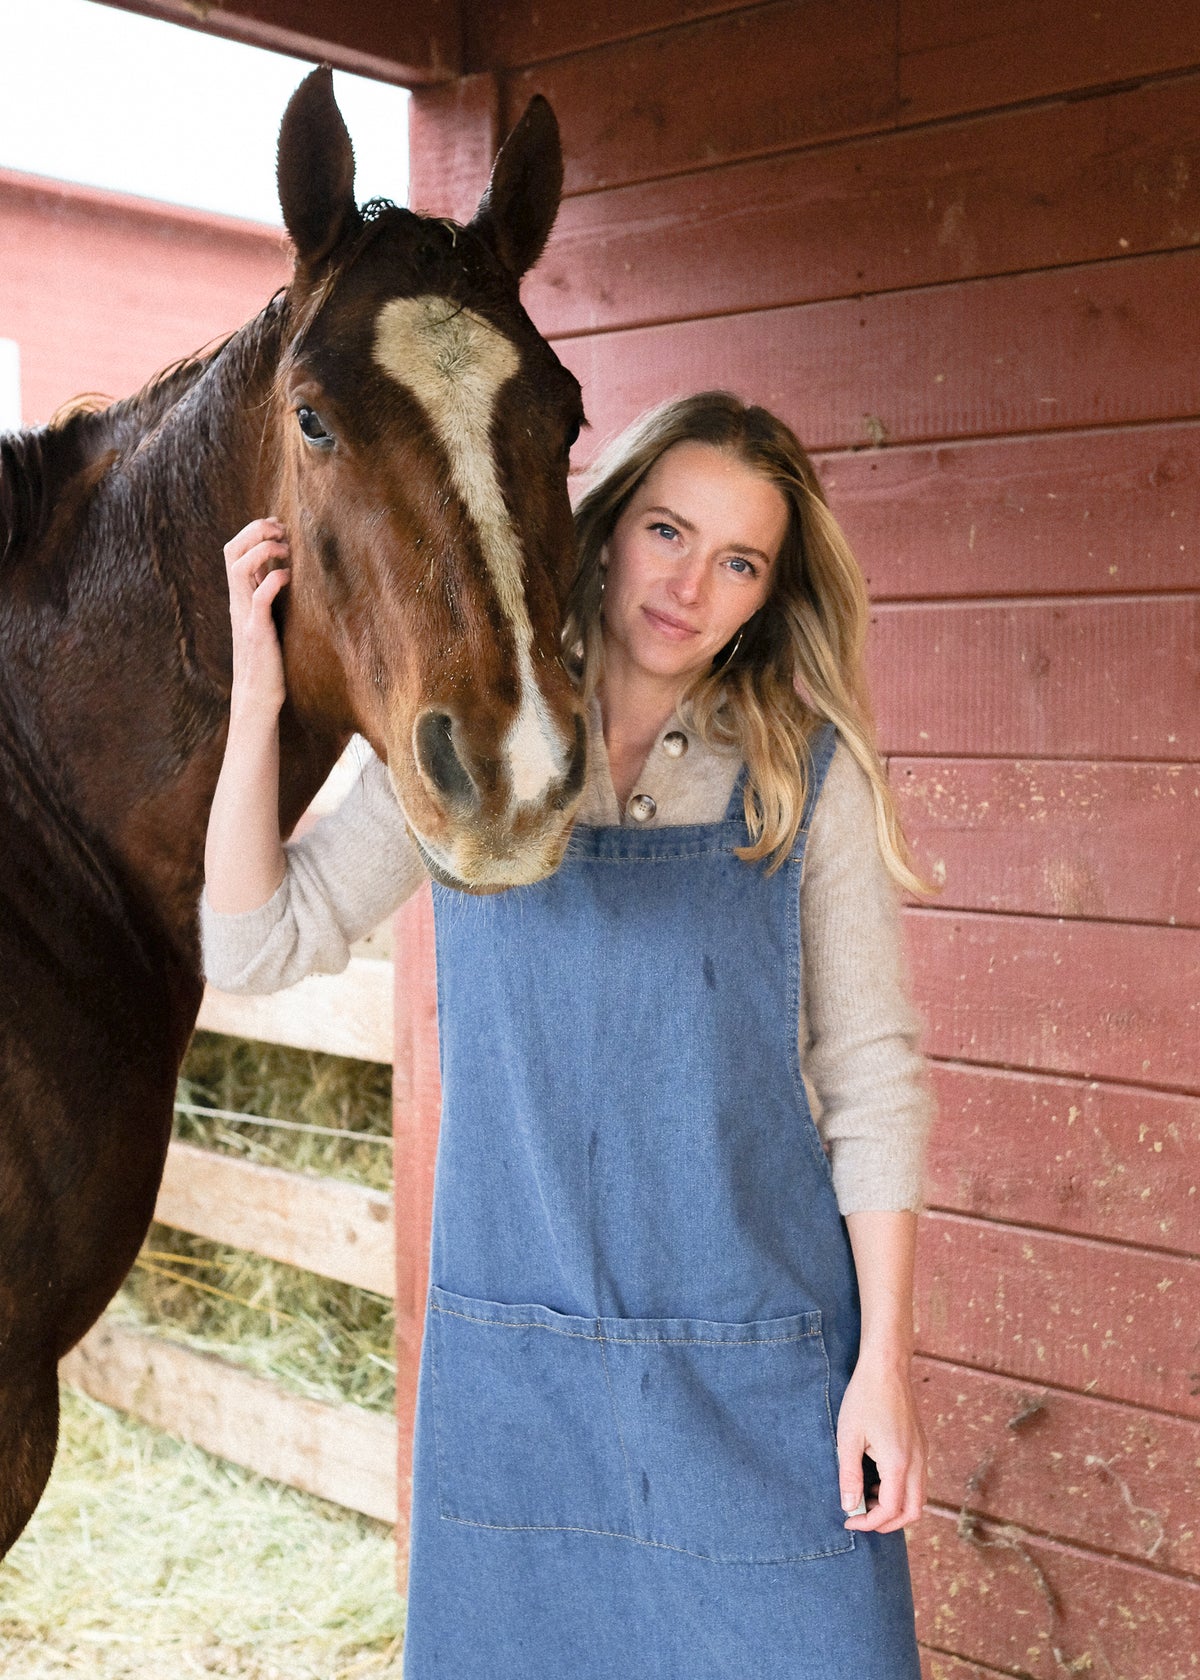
{"points": [[1040, 1609], [1063, 678], [1101, 1475], [1101, 1000], [1071, 1155], [454, 134], [1095, 512], [341, 1453], [324, 1225], [1091, 1316], [1070, 183], [758, 80], [347, 1014], [1089, 346], [961, 58], [417, 1101], [1054, 837], [509, 33]]}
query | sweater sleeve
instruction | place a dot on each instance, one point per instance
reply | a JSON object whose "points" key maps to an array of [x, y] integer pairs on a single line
{"points": [[349, 871], [867, 1083]]}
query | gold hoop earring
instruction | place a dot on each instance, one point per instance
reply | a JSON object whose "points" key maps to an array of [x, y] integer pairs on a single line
{"points": [[730, 656]]}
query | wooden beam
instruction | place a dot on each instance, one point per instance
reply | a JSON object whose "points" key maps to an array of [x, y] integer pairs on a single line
{"points": [[325, 1225], [341, 1453], [410, 45], [348, 1014]]}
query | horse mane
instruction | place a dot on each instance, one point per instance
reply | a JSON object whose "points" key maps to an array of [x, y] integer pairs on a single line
{"points": [[38, 467]]}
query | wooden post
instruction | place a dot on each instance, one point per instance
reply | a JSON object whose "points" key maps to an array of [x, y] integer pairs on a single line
{"points": [[417, 1100]]}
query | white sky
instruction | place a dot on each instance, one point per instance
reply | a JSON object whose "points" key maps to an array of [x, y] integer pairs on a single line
{"points": [[93, 94]]}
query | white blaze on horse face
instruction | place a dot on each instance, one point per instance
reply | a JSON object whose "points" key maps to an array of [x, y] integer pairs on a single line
{"points": [[455, 364]]}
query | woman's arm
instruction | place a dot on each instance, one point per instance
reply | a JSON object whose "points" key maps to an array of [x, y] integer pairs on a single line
{"points": [[878, 1414], [243, 854], [271, 914], [874, 1108]]}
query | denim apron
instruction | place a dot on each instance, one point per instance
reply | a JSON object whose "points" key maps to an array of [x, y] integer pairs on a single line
{"points": [[642, 1312]]}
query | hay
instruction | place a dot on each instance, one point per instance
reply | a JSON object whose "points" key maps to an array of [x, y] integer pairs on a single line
{"points": [[324, 1340], [149, 1560]]}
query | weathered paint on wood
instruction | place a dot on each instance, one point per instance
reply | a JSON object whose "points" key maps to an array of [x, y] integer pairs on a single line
{"points": [[324, 1225], [1096, 345], [959, 58], [761, 80], [1056, 678], [512, 32], [1097, 512], [342, 1453], [1092, 1316], [1039, 1609], [454, 132], [1055, 837], [1069, 183], [1062, 1464], [417, 1101], [1072, 1155], [1103, 1000], [347, 1014], [936, 1665]]}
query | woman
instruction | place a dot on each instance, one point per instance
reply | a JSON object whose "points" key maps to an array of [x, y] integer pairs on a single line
{"points": [[656, 1282]]}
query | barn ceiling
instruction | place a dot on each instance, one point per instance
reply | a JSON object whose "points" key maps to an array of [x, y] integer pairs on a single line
{"points": [[412, 42]]}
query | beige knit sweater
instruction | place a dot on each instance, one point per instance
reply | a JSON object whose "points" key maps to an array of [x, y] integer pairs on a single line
{"points": [[857, 1029]]}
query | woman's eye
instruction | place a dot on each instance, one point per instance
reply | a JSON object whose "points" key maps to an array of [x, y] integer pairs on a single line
{"points": [[742, 566], [313, 428], [664, 530]]}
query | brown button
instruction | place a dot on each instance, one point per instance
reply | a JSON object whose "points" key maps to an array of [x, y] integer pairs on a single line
{"points": [[675, 744], [641, 807]]}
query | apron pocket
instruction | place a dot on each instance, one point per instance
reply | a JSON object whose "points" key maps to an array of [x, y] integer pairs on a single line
{"points": [[523, 1422], [728, 1436]]}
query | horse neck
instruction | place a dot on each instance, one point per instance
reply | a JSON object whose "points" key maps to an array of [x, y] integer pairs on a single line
{"points": [[134, 697]]}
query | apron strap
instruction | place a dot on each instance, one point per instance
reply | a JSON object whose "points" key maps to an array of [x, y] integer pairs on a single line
{"points": [[821, 747]]}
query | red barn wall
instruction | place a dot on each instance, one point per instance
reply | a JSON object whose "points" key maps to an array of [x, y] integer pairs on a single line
{"points": [[958, 247], [101, 290]]}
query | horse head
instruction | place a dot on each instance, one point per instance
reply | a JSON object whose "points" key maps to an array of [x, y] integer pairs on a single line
{"points": [[423, 431]]}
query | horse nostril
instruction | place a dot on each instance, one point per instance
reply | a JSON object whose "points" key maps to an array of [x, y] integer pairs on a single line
{"points": [[438, 758]]}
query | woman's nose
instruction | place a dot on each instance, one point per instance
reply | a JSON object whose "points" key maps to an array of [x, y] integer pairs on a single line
{"points": [[688, 582]]}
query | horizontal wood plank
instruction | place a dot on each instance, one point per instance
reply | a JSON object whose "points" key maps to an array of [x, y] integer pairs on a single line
{"points": [[1059, 678], [1068, 1154], [1071, 183], [1060, 513], [509, 33], [1054, 837], [341, 1453], [959, 58], [1089, 1471], [1116, 1322], [1042, 1610], [759, 80], [347, 1014], [1063, 348], [1104, 1000], [325, 1225]]}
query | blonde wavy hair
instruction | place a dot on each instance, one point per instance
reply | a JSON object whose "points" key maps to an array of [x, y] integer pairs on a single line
{"points": [[800, 658]]}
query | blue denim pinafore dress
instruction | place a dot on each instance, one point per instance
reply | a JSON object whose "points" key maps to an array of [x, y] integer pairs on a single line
{"points": [[643, 1311]]}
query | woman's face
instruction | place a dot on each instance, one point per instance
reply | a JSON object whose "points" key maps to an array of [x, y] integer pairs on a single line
{"points": [[689, 561]]}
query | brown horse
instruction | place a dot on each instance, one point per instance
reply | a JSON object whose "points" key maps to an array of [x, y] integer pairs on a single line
{"points": [[396, 408]]}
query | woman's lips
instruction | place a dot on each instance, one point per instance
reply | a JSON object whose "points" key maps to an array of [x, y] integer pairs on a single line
{"points": [[675, 628]]}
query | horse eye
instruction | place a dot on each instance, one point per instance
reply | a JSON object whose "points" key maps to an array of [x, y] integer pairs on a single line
{"points": [[572, 435], [312, 427]]}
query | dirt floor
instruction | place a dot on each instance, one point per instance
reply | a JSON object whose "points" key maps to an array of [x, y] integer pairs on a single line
{"points": [[148, 1560]]}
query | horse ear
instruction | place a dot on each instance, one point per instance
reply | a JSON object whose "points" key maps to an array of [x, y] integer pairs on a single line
{"points": [[517, 211], [316, 170]]}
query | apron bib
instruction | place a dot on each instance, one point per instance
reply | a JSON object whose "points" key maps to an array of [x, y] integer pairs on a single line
{"points": [[642, 1312]]}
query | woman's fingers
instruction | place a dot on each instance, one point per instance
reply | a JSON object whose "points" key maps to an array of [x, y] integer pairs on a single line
{"points": [[269, 529]]}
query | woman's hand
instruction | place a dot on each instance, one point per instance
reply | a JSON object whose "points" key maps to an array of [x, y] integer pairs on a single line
{"points": [[255, 565], [878, 1416]]}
